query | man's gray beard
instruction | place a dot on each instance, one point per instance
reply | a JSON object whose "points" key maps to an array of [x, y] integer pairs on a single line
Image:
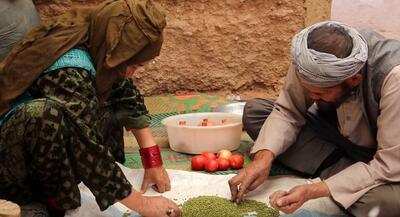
{"points": [[328, 107]]}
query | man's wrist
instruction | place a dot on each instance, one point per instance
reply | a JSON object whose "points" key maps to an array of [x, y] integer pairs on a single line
{"points": [[264, 155], [318, 190]]}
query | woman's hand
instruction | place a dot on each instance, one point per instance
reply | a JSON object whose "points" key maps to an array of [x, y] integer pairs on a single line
{"points": [[157, 175], [158, 206]]}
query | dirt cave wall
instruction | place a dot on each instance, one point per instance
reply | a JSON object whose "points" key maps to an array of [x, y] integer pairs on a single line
{"points": [[220, 46]]}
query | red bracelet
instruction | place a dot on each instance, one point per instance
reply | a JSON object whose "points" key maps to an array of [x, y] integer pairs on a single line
{"points": [[151, 157]]}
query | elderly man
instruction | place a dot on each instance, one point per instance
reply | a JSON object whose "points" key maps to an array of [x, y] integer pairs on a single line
{"points": [[337, 118]]}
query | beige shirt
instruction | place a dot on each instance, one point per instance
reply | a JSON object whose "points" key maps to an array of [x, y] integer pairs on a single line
{"points": [[350, 184]]}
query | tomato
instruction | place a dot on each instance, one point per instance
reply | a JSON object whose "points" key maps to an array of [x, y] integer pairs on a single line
{"points": [[211, 166], [211, 123], [202, 124], [224, 154], [223, 164], [236, 161], [209, 156], [205, 122], [182, 122], [198, 162]]}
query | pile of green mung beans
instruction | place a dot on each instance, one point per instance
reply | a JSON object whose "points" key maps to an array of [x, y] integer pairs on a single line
{"points": [[213, 206]]}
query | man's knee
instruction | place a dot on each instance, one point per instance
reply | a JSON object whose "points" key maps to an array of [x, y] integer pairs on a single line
{"points": [[255, 113], [382, 199], [248, 110]]}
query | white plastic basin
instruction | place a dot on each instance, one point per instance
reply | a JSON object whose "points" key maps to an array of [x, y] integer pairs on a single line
{"points": [[193, 139]]}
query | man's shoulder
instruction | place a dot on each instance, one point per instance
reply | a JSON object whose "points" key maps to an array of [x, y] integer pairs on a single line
{"points": [[368, 34], [395, 73]]}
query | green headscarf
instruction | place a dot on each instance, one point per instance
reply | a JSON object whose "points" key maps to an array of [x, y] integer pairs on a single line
{"points": [[116, 33]]}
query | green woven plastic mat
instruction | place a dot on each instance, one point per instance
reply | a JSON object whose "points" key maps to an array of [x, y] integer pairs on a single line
{"points": [[161, 107]]}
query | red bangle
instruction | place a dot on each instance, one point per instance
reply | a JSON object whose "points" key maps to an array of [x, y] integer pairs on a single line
{"points": [[151, 157]]}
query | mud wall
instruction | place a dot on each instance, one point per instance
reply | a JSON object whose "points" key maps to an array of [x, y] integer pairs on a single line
{"points": [[380, 15], [223, 46]]}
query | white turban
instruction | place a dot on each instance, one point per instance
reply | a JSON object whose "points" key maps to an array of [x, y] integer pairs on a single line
{"points": [[324, 69]]}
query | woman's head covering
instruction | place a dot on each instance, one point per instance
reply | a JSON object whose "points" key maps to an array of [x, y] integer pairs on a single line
{"points": [[323, 69], [116, 33]]}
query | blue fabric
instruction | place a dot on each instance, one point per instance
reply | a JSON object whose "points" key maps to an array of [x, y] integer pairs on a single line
{"points": [[25, 97], [76, 58], [307, 213]]}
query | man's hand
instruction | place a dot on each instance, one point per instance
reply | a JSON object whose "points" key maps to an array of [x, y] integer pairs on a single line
{"points": [[159, 176], [290, 201], [252, 176]]}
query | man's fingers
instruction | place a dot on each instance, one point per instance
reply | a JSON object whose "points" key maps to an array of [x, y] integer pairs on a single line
{"points": [[272, 200], [282, 202], [145, 184], [274, 197], [290, 208], [287, 200], [256, 183], [242, 189], [233, 185]]}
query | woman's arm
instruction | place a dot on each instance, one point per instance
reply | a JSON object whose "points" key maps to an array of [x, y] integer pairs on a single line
{"points": [[144, 137], [152, 162]]}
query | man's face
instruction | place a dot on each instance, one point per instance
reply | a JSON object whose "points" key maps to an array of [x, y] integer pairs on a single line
{"points": [[328, 99]]}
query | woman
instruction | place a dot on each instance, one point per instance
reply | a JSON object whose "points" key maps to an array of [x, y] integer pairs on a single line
{"points": [[64, 100]]}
